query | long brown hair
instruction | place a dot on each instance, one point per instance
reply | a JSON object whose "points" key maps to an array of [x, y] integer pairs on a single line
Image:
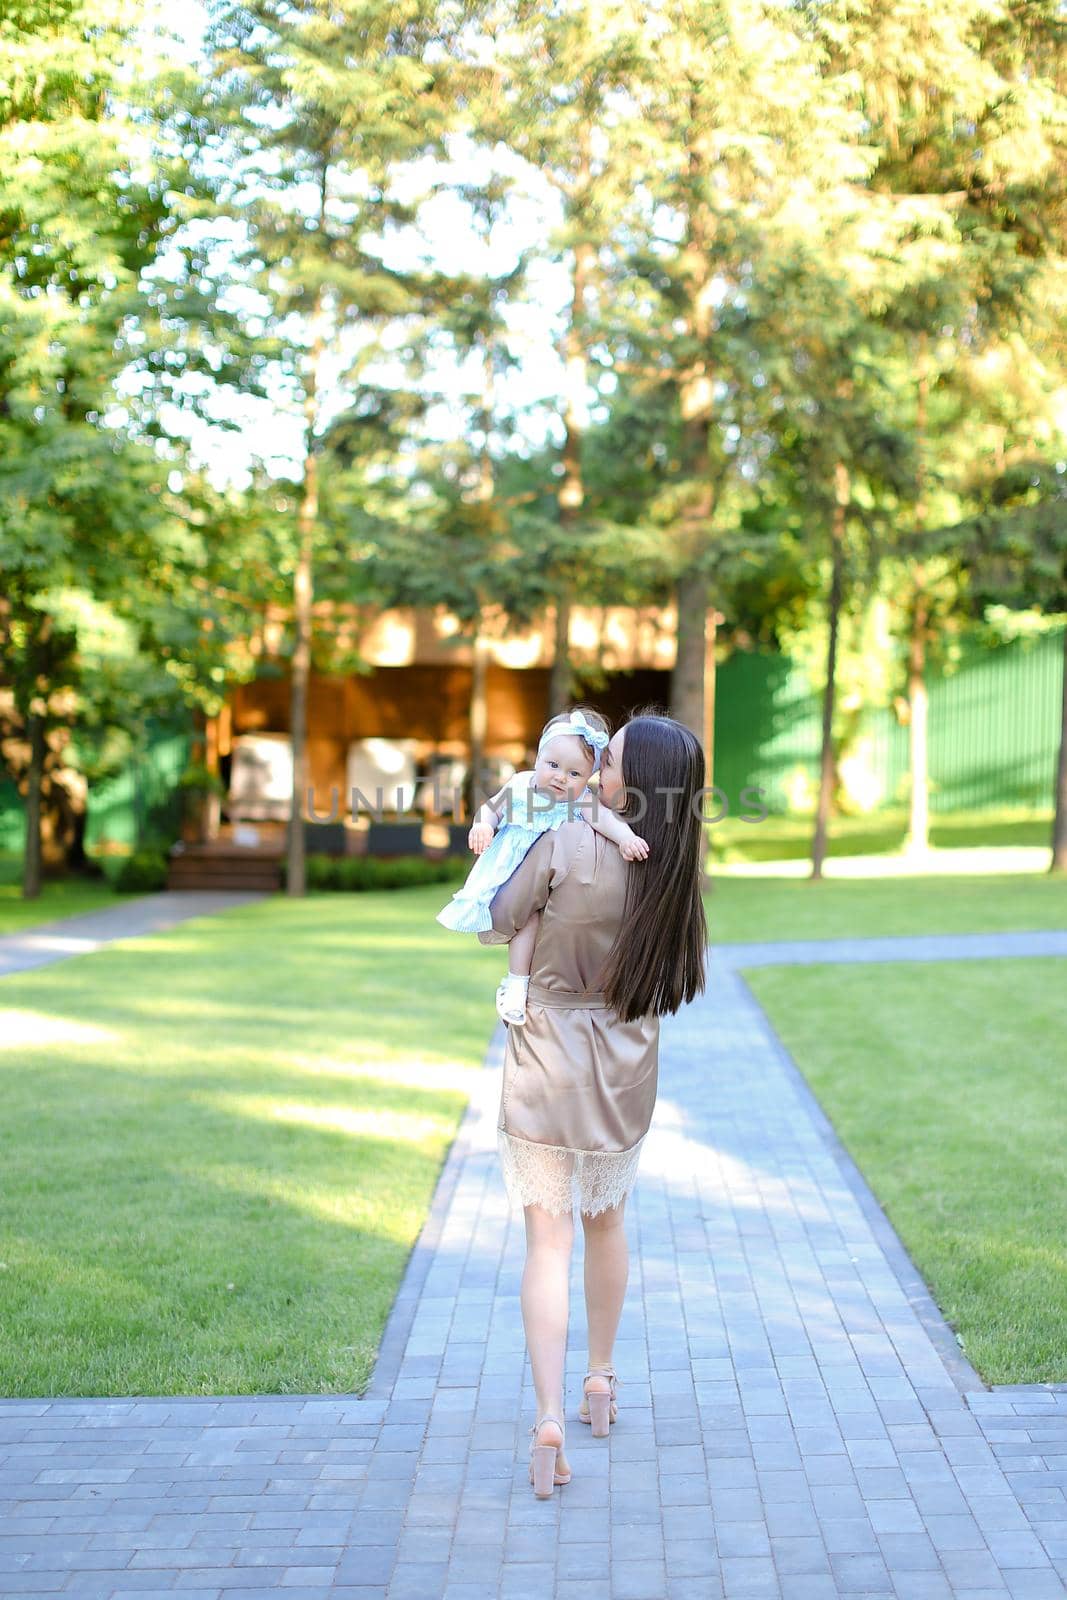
{"points": [[656, 963]]}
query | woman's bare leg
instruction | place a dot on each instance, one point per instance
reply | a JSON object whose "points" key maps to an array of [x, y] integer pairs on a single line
{"points": [[521, 947], [607, 1269], [544, 1299]]}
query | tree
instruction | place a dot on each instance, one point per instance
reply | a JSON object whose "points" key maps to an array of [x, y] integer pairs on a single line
{"points": [[472, 515], [967, 105], [323, 103], [739, 138], [1014, 552], [96, 143], [550, 95]]}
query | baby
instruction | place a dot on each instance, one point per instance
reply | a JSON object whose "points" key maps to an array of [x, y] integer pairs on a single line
{"points": [[507, 824]]}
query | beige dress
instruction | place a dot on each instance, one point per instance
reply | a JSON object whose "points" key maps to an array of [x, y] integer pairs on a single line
{"points": [[579, 1085]]}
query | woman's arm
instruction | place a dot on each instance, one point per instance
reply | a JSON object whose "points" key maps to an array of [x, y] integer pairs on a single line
{"points": [[543, 866]]}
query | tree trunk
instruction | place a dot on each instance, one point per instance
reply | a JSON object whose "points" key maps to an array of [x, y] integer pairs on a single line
{"points": [[696, 396], [303, 589], [708, 741], [559, 683], [301, 676], [1059, 825], [571, 495], [478, 789], [31, 865], [211, 761], [826, 762], [687, 679], [64, 796], [707, 882], [917, 841]]}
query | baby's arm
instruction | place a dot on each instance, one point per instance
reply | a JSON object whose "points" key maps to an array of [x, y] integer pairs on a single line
{"points": [[521, 947], [483, 827], [487, 818], [606, 822]]}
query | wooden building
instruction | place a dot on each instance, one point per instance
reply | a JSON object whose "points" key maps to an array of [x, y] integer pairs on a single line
{"points": [[419, 677]]}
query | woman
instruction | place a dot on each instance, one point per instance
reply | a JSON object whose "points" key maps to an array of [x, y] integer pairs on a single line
{"points": [[620, 944]]}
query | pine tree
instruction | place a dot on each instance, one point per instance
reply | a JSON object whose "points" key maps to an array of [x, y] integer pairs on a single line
{"points": [[325, 103], [740, 139]]}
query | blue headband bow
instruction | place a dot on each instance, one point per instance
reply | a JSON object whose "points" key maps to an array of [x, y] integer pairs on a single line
{"points": [[576, 723]]}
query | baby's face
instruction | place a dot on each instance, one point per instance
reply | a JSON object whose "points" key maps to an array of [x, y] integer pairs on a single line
{"points": [[564, 766]]}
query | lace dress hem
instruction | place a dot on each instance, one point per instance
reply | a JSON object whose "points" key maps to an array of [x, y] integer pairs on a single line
{"points": [[558, 1178]]}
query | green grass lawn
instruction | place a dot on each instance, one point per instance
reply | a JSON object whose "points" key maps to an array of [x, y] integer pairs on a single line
{"points": [[219, 1144], [945, 1082], [788, 838], [64, 897], [744, 910]]}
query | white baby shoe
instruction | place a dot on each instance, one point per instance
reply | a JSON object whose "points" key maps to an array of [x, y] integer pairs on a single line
{"points": [[511, 999]]}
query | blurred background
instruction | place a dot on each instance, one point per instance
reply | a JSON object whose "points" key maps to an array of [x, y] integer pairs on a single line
{"points": [[374, 385]]}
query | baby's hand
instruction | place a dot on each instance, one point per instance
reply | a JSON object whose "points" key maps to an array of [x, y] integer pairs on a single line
{"points": [[634, 848], [480, 837]]}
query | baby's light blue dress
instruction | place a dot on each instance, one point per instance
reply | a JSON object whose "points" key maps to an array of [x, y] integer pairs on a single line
{"points": [[468, 910]]}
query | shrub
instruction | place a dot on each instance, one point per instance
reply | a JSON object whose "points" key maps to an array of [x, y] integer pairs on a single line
{"points": [[199, 779], [143, 872], [356, 874]]}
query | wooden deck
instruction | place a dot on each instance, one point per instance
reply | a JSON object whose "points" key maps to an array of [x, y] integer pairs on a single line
{"points": [[227, 863], [223, 863]]}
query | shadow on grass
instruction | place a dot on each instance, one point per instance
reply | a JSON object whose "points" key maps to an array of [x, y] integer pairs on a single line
{"points": [[219, 1146]]}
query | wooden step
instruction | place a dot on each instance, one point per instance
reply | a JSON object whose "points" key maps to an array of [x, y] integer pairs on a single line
{"points": [[226, 850], [246, 885], [212, 867], [224, 880]]}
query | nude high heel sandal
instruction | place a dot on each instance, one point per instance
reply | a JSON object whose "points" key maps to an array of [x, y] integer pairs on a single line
{"points": [[543, 1474], [600, 1408]]}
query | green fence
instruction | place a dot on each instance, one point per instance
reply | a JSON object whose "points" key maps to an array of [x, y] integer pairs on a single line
{"points": [[12, 820], [995, 736], [994, 726], [993, 733], [766, 734], [138, 806], [143, 803]]}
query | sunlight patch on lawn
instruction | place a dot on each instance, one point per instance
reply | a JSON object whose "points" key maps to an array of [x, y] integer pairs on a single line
{"points": [[35, 1029], [994, 860], [393, 1126], [386, 1215], [418, 1072]]}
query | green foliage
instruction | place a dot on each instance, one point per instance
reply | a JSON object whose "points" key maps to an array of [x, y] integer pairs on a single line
{"points": [[199, 779], [1013, 552], [142, 872], [356, 874], [104, 619], [804, 246], [308, 190]]}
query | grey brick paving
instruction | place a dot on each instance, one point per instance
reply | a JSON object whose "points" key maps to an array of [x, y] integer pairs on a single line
{"points": [[796, 1419], [129, 918], [905, 947]]}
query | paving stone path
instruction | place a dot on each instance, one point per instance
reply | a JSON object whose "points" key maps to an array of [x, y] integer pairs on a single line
{"points": [[48, 942], [796, 1420]]}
